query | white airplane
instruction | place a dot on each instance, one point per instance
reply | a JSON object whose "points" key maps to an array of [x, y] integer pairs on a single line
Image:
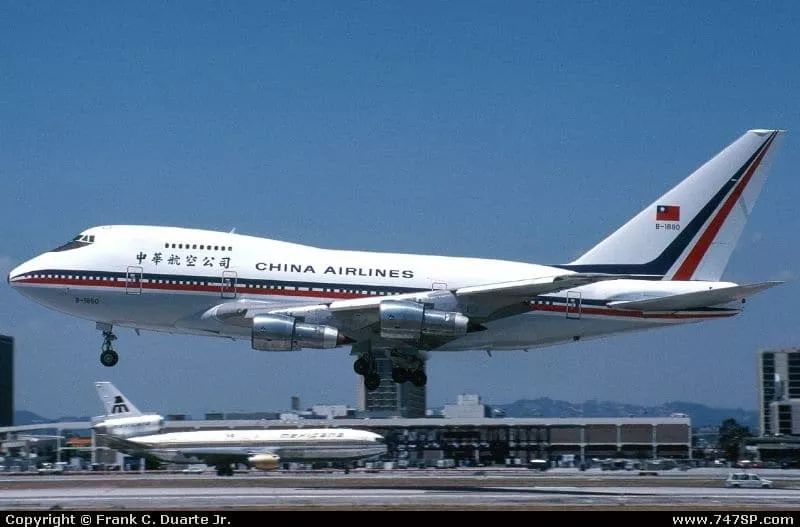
{"points": [[662, 268], [125, 428]]}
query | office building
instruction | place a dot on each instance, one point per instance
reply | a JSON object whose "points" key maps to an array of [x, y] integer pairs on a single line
{"points": [[6, 380], [779, 391], [391, 399]]}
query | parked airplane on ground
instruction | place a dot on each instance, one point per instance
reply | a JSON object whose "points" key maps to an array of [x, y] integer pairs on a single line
{"points": [[663, 267], [260, 448]]}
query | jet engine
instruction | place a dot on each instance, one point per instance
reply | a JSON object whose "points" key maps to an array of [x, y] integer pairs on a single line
{"points": [[412, 320], [283, 333], [264, 461]]}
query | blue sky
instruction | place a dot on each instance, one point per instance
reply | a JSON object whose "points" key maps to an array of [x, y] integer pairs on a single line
{"points": [[519, 130]]}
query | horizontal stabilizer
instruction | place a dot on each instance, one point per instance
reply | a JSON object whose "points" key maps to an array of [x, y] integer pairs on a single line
{"points": [[698, 299]]}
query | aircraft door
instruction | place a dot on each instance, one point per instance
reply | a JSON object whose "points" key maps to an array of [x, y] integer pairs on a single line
{"points": [[574, 304], [133, 281], [229, 284]]}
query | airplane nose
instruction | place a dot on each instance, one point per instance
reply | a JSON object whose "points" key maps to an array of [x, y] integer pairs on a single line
{"points": [[21, 269]]}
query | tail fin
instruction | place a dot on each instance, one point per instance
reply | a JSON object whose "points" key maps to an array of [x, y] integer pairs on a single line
{"points": [[689, 233], [115, 403]]}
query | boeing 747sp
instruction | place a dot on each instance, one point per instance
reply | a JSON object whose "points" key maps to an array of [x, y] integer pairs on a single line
{"points": [[661, 268]]}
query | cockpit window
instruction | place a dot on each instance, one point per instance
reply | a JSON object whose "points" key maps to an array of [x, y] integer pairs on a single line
{"points": [[81, 240]]}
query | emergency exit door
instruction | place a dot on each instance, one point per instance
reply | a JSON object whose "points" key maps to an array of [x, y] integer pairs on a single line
{"points": [[228, 284], [574, 304], [133, 281]]}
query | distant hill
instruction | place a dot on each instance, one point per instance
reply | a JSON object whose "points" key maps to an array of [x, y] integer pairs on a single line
{"points": [[700, 414], [23, 417]]}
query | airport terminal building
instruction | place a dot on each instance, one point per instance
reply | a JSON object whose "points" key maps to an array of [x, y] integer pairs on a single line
{"points": [[490, 441], [496, 440]]}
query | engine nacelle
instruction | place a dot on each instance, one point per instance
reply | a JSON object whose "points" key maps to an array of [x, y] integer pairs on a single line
{"points": [[411, 320], [282, 333], [264, 461]]}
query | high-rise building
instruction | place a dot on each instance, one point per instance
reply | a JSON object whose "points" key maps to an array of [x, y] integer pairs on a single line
{"points": [[391, 399], [779, 391], [468, 405], [6, 381]]}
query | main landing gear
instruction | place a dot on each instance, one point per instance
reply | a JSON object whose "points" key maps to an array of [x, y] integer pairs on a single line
{"points": [[367, 366], [416, 376], [404, 369], [108, 357], [224, 469]]}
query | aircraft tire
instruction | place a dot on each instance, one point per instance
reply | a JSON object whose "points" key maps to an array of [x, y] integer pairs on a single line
{"points": [[418, 378], [400, 375], [372, 381], [109, 358], [361, 366]]}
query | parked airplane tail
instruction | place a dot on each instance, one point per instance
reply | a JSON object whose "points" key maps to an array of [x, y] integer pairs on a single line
{"points": [[689, 233], [116, 404]]}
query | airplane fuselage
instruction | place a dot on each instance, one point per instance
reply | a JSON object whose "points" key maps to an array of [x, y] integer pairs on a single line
{"points": [[323, 444], [166, 279]]}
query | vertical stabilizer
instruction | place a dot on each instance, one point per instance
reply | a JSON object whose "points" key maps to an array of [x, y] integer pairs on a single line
{"points": [[116, 404], [690, 232]]}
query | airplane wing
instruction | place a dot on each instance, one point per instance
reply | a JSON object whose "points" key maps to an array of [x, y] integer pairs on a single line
{"points": [[526, 289], [480, 303], [712, 297], [499, 300], [126, 446]]}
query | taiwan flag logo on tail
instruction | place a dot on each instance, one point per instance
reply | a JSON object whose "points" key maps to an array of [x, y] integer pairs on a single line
{"points": [[668, 213]]}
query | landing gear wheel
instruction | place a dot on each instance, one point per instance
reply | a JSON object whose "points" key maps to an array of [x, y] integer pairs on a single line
{"points": [[109, 358], [399, 375], [361, 366], [418, 378], [224, 470], [372, 381]]}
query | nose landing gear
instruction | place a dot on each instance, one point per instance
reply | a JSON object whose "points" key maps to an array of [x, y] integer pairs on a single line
{"points": [[108, 357]]}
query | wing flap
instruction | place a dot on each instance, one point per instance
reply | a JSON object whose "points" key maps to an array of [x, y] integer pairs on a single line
{"points": [[712, 297]]}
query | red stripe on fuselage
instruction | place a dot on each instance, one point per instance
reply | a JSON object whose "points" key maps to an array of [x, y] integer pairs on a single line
{"points": [[628, 313], [190, 287], [689, 266]]}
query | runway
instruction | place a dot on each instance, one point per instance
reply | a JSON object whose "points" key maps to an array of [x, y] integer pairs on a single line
{"points": [[393, 490]]}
